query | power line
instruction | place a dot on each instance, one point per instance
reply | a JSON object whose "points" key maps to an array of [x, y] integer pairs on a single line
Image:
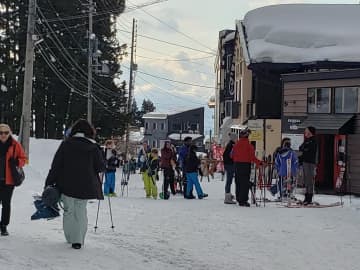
{"points": [[67, 56], [175, 81], [170, 43], [169, 93], [175, 60], [173, 28], [72, 88]]}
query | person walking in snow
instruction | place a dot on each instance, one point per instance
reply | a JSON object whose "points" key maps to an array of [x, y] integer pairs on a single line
{"points": [[243, 155], [9, 148], [192, 164], [150, 175], [229, 168], [308, 158], [75, 171], [286, 163], [168, 158], [111, 164]]}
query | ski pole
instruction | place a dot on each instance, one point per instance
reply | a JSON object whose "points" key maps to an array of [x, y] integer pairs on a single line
{"points": [[97, 216], [111, 218]]}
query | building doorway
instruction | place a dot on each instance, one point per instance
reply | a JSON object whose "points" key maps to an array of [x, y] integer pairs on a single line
{"points": [[325, 170]]}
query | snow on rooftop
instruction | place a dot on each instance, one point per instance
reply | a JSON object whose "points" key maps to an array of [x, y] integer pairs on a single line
{"points": [[178, 136], [300, 33]]}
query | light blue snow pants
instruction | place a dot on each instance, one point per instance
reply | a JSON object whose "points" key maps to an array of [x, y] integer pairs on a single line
{"points": [[75, 221]]}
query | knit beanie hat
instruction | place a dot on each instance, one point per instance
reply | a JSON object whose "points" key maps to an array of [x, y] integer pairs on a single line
{"points": [[233, 136], [312, 130]]}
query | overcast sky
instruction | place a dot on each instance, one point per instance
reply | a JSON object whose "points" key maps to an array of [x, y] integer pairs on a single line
{"points": [[201, 20]]}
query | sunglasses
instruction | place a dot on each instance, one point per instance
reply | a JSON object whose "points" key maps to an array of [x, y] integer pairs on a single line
{"points": [[4, 132]]}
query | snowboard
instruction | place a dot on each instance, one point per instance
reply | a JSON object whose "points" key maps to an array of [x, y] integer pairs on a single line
{"points": [[315, 205]]}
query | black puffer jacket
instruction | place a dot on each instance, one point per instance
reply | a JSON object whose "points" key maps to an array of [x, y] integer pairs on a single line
{"points": [[76, 167], [309, 150], [192, 162], [227, 153]]}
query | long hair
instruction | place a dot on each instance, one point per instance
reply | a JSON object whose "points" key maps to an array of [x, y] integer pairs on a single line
{"points": [[83, 126]]}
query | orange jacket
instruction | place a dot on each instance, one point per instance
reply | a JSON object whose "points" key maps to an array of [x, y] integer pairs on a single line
{"points": [[244, 152], [20, 154]]}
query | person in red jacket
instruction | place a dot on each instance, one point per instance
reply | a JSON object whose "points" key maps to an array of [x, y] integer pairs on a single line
{"points": [[243, 155], [9, 148]]}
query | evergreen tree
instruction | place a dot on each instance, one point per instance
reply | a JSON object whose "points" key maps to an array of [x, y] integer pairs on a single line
{"points": [[147, 106]]}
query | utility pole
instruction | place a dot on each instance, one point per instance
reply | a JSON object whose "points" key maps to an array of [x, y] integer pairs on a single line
{"points": [[90, 59], [26, 117], [131, 86]]}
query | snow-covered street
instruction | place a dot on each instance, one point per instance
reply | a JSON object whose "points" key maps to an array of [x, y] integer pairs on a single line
{"points": [[181, 234]]}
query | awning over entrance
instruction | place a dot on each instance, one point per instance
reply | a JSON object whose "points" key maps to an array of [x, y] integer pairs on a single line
{"points": [[329, 123]]}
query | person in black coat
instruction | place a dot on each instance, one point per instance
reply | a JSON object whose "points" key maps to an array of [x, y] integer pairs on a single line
{"points": [[229, 167], [308, 158], [191, 167], [75, 171]]}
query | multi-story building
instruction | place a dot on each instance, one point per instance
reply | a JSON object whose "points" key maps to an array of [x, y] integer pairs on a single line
{"points": [[226, 109], [173, 126]]}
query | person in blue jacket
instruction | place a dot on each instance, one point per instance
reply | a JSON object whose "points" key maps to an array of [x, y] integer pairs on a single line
{"points": [[286, 163], [183, 152]]}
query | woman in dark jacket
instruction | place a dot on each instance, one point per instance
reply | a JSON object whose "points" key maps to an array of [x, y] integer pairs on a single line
{"points": [[75, 171], [168, 158], [192, 164], [9, 148]]}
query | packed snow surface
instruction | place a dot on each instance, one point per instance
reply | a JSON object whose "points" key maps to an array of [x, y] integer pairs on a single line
{"points": [[300, 33], [180, 234]]}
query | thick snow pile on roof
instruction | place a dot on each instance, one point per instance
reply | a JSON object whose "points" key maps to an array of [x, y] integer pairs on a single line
{"points": [[178, 136], [301, 33]]}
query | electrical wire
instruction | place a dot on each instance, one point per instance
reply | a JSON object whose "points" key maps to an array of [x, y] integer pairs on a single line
{"points": [[173, 28]]}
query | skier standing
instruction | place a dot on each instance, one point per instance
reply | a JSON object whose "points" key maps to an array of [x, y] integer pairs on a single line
{"points": [[308, 157], [243, 155], [111, 164], [286, 163], [152, 166]]}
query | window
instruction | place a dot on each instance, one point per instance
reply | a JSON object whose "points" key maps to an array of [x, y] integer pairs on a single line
{"points": [[319, 100], [347, 100], [228, 108], [154, 144], [146, 125], [162, 126], [228, 62], [154, 126], [176, 126]]}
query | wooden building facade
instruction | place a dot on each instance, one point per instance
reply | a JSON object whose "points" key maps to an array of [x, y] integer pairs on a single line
{"points": [[329, 101]]}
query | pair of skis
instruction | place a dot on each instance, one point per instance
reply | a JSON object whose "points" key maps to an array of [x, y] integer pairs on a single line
{"points": [[314, 205]]}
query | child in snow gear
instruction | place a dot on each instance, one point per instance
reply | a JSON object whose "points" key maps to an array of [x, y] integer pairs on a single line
{"points": [[152, 166], [9, 148], [75, 171], [192, 164], [229, 168], [308, 158], [286, 163], [243, 155], [168, 158], [111, 164]]}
